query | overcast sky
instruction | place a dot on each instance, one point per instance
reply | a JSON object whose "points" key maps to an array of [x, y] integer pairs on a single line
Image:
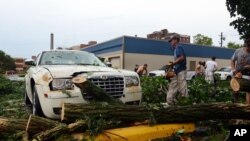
{"points": [[25, 25]]}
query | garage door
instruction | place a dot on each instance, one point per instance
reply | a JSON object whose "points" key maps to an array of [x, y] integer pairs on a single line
{"points": [[116, 62]]}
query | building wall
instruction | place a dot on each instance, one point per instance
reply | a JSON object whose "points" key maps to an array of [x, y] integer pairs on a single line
{"points": [[156, 53], [112, 57], [159, 53], [20, 64], [146, 46], [106, 47], [111, 50]]}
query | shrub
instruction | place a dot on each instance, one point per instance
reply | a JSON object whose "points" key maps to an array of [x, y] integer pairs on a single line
{"points": [[200, 91], [154, 89], [8, 87]]}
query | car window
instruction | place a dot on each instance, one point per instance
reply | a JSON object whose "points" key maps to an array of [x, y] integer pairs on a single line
{"points": [[225, 69], [69, 58], [163, 67]]}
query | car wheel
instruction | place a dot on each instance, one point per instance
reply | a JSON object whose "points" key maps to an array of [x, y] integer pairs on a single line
{"points": [[229, 78], [193, 78], [36, 107], [26, 99]]}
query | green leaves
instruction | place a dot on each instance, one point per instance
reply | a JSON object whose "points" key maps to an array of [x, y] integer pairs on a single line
{"points": [[233, 45], [200, 91], [200, 39], [6, 62], [240, 9], [154, 89]]}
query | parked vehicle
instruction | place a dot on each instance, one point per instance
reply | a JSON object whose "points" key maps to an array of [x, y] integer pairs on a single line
{"points": [[161, 72], [49, 81], [225, 73]]}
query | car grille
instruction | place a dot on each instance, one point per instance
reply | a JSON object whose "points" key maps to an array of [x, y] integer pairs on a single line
{"points": [[112, 85]]}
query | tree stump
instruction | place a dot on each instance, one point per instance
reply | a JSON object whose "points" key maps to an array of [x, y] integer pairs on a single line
{"points": [[239, 84]]}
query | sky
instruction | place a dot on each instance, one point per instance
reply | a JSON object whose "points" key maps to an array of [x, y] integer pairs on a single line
{"points": [[26, 25]]}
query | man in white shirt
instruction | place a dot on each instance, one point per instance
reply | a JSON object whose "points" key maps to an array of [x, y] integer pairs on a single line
{"points": [[211, 67]]}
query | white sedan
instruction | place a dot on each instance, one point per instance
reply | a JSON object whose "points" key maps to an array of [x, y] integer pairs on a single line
{"points": [[161, 72], [49, 81], [225, 73]]}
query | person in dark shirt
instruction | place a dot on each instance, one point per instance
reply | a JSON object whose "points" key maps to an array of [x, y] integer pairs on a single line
{"points": [[240, 63], [178, 82]]}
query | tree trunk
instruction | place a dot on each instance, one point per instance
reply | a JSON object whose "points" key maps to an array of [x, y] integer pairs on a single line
{"points": [[131, 113], [37, 124], [12, 125], [97, 93], [53, 133], [239, 84]]}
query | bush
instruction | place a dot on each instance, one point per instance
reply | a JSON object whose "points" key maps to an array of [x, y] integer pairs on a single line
{"points": [[8, 87], [154, 89], [200, 91]]}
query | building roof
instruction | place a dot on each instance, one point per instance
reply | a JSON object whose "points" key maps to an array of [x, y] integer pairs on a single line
{"points": [[130, 44]]}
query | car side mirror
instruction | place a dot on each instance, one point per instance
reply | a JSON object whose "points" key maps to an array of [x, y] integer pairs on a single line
{"points": [[109, 64], [30, 62]]}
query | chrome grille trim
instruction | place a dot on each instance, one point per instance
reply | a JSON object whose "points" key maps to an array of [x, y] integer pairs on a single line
{"points": [[112, 85]]}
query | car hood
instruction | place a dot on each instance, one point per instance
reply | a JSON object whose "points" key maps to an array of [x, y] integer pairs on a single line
{"points": [[222, 72], [67, 71], [158, 72]]}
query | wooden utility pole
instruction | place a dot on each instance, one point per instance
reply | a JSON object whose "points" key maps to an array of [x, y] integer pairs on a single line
{"points": [[222, 38], [51, 41]]}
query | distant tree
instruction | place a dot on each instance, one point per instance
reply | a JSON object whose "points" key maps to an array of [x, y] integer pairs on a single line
{"points": [[6, 62], [200, 39], [233, 45], [240, 10]]}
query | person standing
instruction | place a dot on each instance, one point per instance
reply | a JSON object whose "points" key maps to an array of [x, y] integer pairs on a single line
{"points": [[240, 63], [136, 67], [210, 68], [178, 82], [142, 70], [199, 70]]}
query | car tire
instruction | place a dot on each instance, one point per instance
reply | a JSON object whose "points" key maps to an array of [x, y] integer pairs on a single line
{"points": [[36, 107], [193, 78], [26, 99], [229, 78]]}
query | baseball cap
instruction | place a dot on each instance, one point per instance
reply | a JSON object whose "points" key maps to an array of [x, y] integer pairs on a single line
{"points": [[174, 37]]}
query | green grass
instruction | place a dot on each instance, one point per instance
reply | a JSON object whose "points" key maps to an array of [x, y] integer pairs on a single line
{"points": [[12, 101], [12, 106]]}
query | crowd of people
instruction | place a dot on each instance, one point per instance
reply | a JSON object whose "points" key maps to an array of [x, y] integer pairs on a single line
{"points": [[239, 61]]}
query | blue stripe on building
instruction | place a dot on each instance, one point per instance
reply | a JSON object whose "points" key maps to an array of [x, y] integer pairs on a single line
{"points": [[157, 47], [106, 47], [146, 46]]}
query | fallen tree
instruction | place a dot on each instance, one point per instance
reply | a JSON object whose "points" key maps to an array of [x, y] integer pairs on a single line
{"points": [[39, 128], [131, 113], [97, 93], [12, 125]]}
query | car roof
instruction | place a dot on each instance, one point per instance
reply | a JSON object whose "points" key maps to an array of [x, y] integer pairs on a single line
{"points": [[62, 50]]}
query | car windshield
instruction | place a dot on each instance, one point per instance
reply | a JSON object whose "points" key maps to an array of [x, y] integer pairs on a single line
{"points": [[69, 58], [163, 67], [225, 69]]}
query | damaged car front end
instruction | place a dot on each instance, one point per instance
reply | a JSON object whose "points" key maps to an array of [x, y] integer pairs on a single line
{"points": [[49, 82]]}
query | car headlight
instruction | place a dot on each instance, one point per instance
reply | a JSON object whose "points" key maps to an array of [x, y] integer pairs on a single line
{"points": [[131, 81], [62, 84]]}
